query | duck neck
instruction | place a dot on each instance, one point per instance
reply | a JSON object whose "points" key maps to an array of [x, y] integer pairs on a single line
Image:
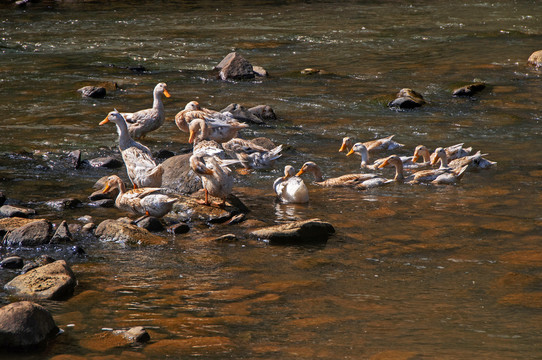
{"points": [[317, 173], [443, 161], [426, 156], [157, 103], [399, 176], [364, 157], [124, 134]]}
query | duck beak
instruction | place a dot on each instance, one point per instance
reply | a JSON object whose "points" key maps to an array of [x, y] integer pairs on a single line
{"points": [[300, 172], [192, 136], [434, 160], [415, 157], [166, 93], [384, 163], [104, 121], [350, 152], [106, 189], [343, 147]]}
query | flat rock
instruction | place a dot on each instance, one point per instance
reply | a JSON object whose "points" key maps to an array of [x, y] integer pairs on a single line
{"points": [[54, 281], [178, 176], [260, 71], [469, 90], [127, 234], [297, 232], [15, 211], [187, 209], [24, 324], [92, 91], [536, 59], [64, 204], [235, 67], [32, 234], [106, 162], [137, 334]]}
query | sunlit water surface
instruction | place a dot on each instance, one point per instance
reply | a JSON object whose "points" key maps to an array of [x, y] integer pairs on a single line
{"points": [[412, 272]]}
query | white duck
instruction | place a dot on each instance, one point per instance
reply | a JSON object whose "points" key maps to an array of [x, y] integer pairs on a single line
{"points": [[359, 181], [408, 161], [290, 188], [142, 201], [191, 111], [474, 162], [141, 168], [220, 128], [252, 155], [435, 176], [144, 121], [372, 146]]}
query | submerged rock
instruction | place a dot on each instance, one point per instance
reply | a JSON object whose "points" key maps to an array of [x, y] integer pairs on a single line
{"points": [[407, 98], [15, 211], [54, 281], [106, 162], [24, 324], [297, 232], [92, 91], [536, 59], [63, 204], [235, 67], [469, 90], [35, 233]]}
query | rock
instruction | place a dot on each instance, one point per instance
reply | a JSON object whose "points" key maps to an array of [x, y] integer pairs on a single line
{"points": [[180, 228], [235, 67], [187, 209], [313, 71], [126, 234], [260, 71], [12, 262], [88, 228], [9, 224], [297, 232], [106, 203], [407, 99], [136, 334], [178, 176], [92, 91], [536, 59], [62, 234], [54, 281], [32, 234], [227, 238], [15, 211], [64, 204], [469, 90], [240, 113], [106, 162], [75, 158], [24, 325], [264, 112], [163, 154], [150, 223]]}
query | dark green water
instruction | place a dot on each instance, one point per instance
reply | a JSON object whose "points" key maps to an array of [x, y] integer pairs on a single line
{"points": [[413, 272]]}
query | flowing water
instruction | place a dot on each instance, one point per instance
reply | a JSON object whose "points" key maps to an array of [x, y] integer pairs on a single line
{"points": [[421, 272]]}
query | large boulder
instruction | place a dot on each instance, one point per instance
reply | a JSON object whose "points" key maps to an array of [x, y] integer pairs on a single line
{"points": [[536, 59], [24, 324], [54, 281], [235, 67], [178, 176], [32, 234], [126, 234], [297, 232]]}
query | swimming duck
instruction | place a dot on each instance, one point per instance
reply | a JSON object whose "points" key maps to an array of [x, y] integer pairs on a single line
{"points": [[454, 152], [473, 162], [214, 172], [252, 155], [291, 188], [372, 146], [143, 201], [449, 176], [191, 111], [359, 181], [141, 168], [408, 161], [144, 121], [220, 128]]}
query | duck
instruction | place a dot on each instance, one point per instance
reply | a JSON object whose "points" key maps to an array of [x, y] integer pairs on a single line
{"points": [[454, 152], [442, 175], [290, 188], [222, 127], [252, 155], [474, 162], [408, 161], [359, 181], [143, 201], [372, 146], [140, 166], [144, 121], [215, 174], [191, 111]]}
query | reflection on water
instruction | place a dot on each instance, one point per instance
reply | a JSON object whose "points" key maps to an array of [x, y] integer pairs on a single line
{"points": [[417, 272]]}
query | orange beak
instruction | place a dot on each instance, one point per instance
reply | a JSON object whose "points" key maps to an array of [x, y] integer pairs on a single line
{"points": [[300, 172], [166, 93], [106, 189], [208, 172], [343, 147], [104, 121], [350, 152], [384, 163], [191, 137], [434, 160]]}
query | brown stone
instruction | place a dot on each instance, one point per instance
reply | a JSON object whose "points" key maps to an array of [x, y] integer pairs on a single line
{"points": [[32, 234], [15, 211], [536, 59], [297, 232], [235, 67], [54, 281], [127, 234]]}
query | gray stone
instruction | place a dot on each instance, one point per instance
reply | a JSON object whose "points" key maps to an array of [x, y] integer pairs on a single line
{"points": [[62, 234], [24, 325], [297, 232], [106, 162], [54, 281], [180, 228], [178, 176], [93, 91], [15, 211], [75, 158], [150, 223], [32, 234], [63, 204]]}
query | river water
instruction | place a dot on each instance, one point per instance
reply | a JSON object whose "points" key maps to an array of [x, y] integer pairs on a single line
{"points": [[413, 272]]}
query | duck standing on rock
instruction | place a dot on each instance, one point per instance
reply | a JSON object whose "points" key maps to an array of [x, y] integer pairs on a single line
{"points": [[140, 166], [144, 121], [290, 188], [142, 201]]}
